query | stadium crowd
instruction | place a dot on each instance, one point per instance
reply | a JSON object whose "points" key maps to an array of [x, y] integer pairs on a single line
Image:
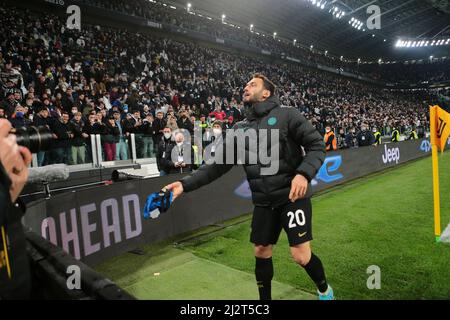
{"points": [[419, 71], [116, 83]]}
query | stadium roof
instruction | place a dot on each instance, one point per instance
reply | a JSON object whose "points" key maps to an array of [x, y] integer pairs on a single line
{"points": [[310, 24]]}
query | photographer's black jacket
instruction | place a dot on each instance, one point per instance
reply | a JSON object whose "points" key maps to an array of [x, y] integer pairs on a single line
{"points": [[295, 133], [19, 285]]}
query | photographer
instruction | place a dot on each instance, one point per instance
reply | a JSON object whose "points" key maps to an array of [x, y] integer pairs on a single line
{"points": [[15, 278]]}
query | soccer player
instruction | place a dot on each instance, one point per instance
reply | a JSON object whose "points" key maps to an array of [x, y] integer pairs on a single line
{"points": [[282, 200]]}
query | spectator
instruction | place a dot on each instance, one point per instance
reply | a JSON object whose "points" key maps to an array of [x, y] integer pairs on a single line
{"points": [[180, 158], [185, 123], [350, 139], [121, 145], [78, 148], [365, 137], [340, 138], [377, 136], [395, 135], [18, 118], [165, 147], [148, 131], [330, 139], [61, 144], [110, 138]]}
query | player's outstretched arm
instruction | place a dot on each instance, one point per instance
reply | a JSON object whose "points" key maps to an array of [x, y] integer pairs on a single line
{"points": [[204, 175]]}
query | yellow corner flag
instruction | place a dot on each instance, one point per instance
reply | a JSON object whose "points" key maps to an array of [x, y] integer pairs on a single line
{"points": [[439, 126], [439, 132]]}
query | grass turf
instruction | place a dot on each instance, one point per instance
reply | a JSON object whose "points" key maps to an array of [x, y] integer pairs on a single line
{"points": [[384, 220]]}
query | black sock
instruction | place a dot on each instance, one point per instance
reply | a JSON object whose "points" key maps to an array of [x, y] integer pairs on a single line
{"points": [[264, 275], [315, 270]]}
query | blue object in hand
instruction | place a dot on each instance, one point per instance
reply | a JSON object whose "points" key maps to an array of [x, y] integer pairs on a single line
{"points": [[157, 202]]}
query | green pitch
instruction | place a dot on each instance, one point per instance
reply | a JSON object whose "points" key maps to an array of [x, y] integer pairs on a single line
{"points": [[384, 220]]}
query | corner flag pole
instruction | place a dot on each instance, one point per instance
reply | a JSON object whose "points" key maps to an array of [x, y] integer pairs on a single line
{"points": [[435, 163]]}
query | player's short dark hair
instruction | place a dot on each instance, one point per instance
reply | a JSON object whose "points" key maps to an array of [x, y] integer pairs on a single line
{"points": [[268, 85]]}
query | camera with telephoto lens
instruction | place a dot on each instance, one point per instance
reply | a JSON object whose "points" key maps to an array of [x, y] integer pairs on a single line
{"points": [[36, 139]]}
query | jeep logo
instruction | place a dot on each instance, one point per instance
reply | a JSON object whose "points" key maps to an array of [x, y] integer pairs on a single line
{"points": [[328, 173], [391, 155]]}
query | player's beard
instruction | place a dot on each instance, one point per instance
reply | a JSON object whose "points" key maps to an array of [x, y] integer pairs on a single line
{"points": [[255, 98]]}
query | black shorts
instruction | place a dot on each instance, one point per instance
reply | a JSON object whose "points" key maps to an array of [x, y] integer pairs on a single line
{"points": [[295, 218]]}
